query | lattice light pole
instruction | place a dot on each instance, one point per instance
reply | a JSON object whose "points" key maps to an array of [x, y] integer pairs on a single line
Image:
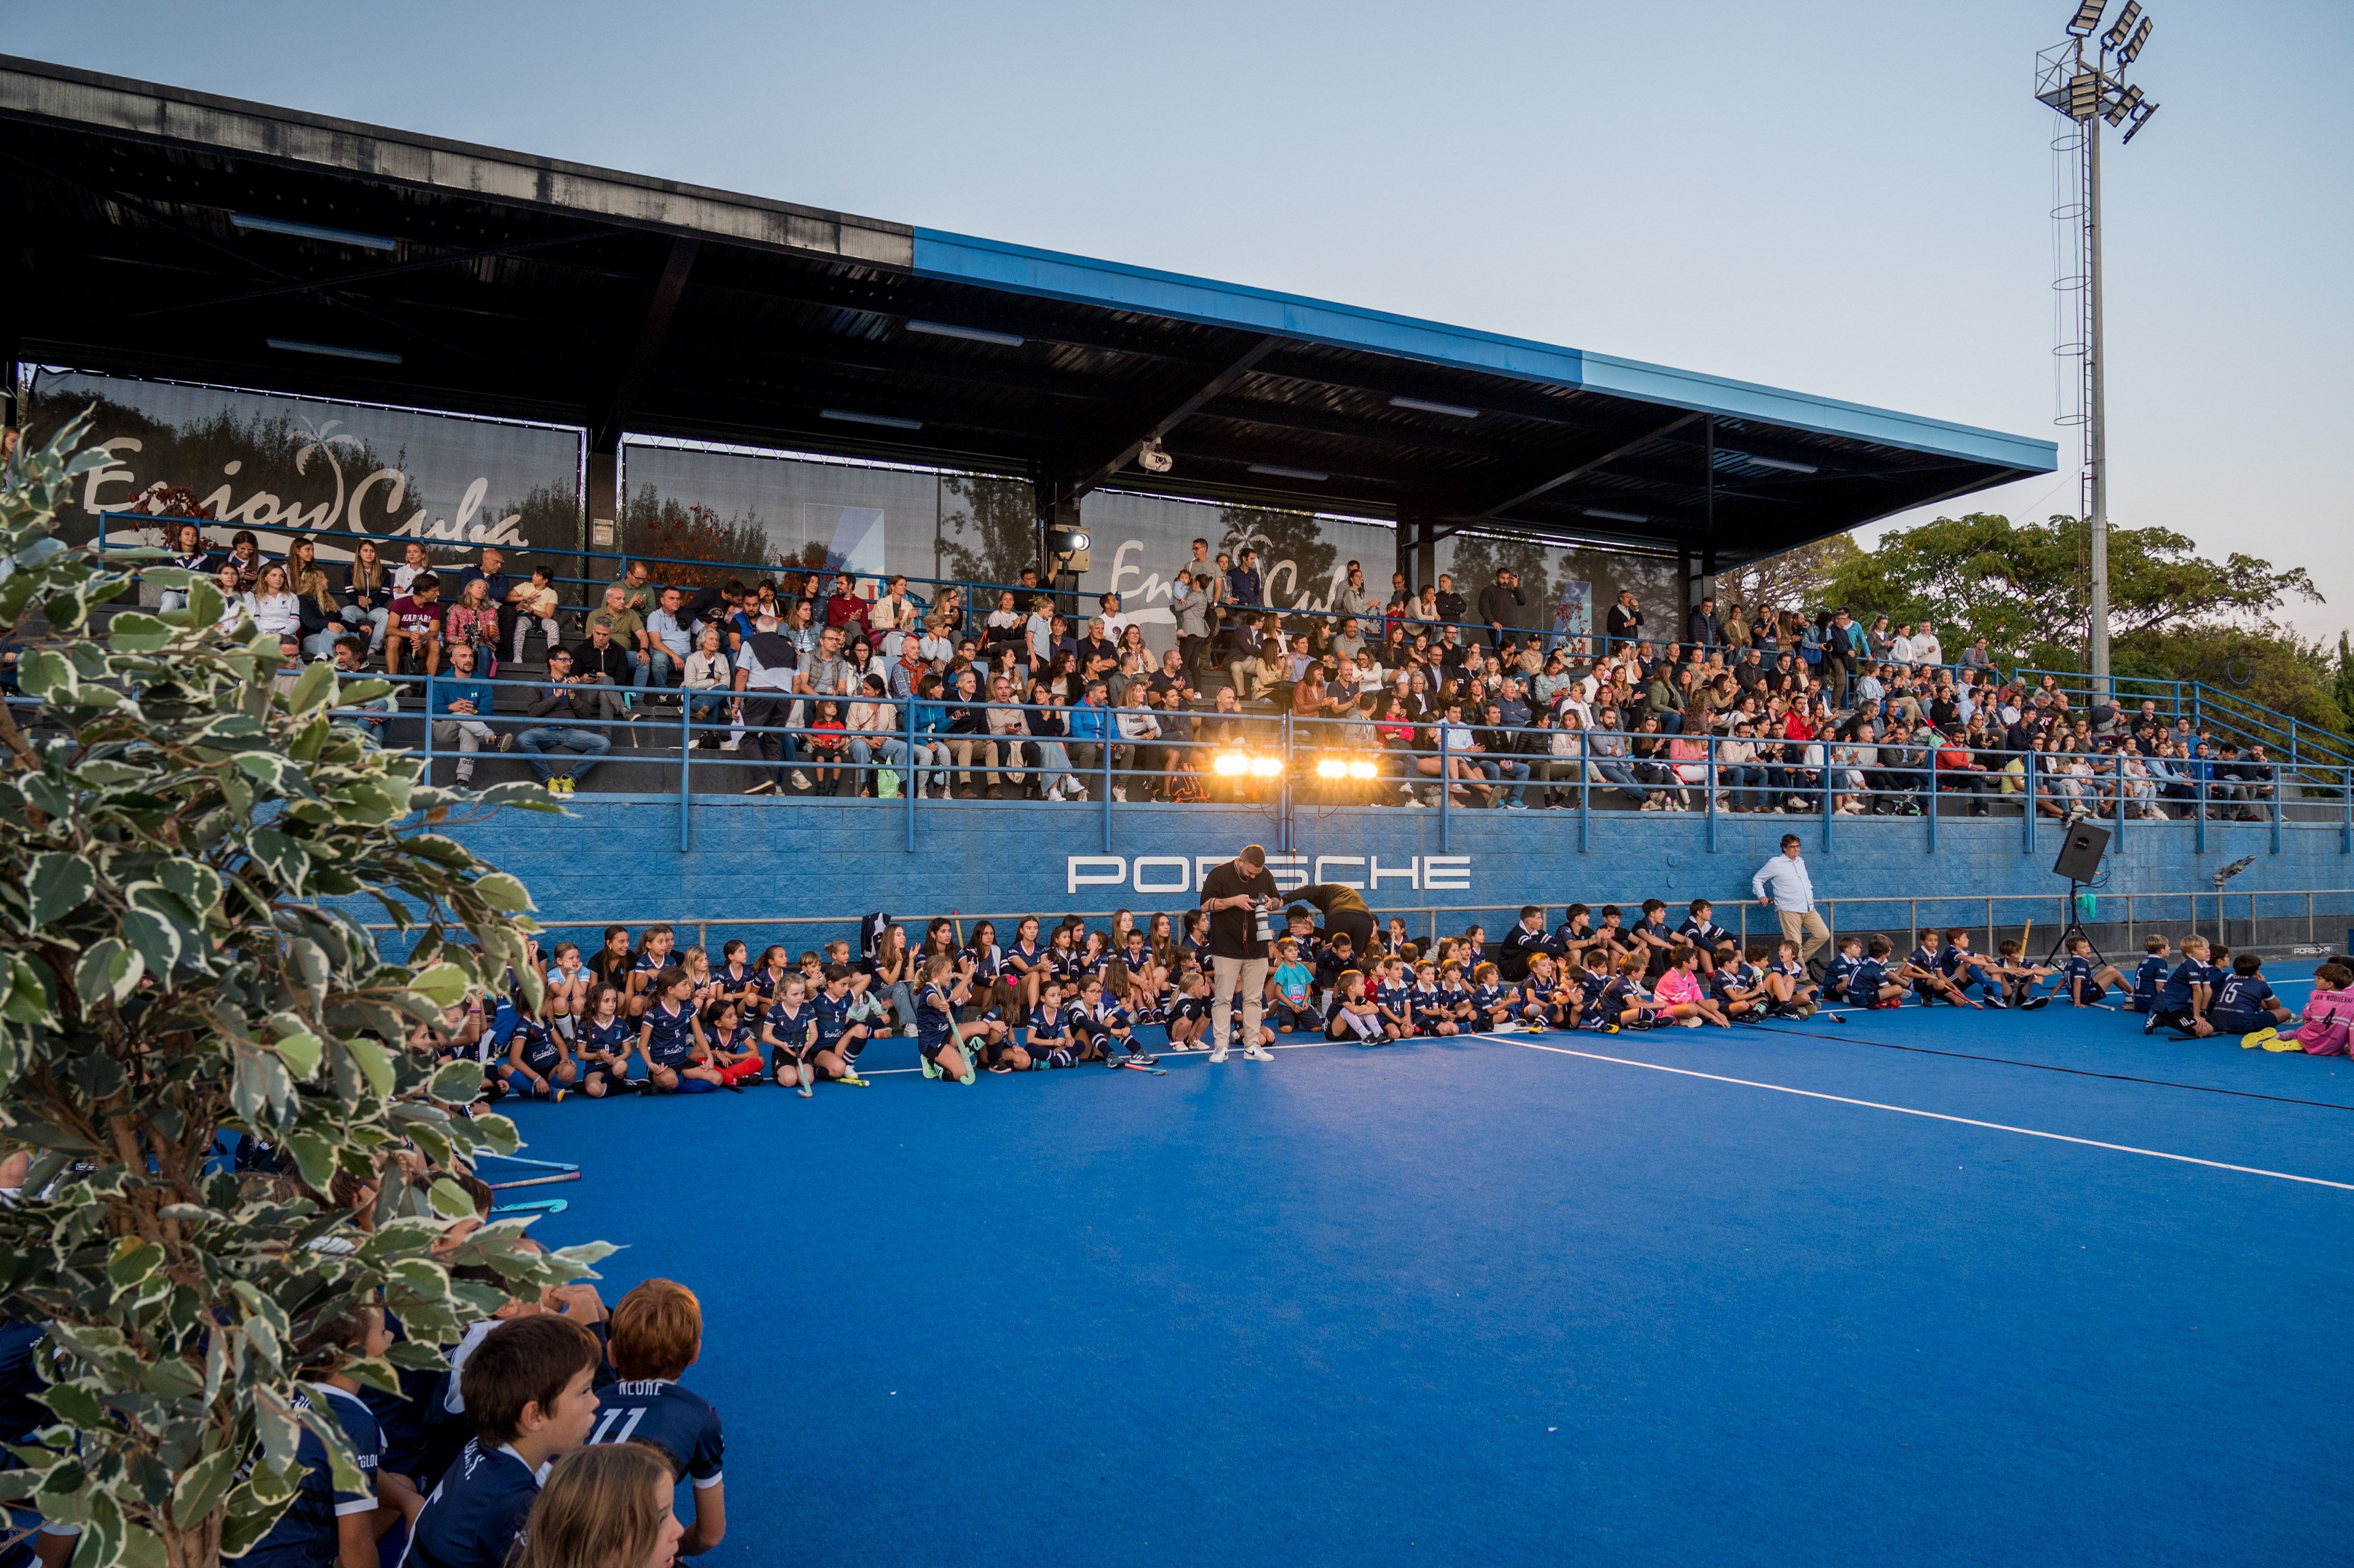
{"points": [[2083, 79]]}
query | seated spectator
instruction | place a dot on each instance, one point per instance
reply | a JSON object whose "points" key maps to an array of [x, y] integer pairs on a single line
{"points": [[534, 604], [668, 639], [574, 701], [709, 680], [528, 1394], [350, 650], [473, 622], [460, 703], [416, 626]]}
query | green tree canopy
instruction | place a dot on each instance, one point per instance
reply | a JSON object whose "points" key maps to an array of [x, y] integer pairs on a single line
{"points": [[173, 811]]}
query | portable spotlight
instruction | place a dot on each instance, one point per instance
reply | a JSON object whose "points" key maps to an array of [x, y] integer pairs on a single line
{"points": [[1361, 769], [1332, 768], [1152, 460], [1231, 764], [1265, 767]]}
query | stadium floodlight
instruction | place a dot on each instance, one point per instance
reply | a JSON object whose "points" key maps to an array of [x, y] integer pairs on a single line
{"points": [[246, 221], [1152, 460], [1265, 767], [1784, 467], [1332, 768], [333, 350], [971, 335], [2130, 50], [1312, 475], [852, 416], [1454, 410], [1231, 764], [1362, 767], [2083, 79]]}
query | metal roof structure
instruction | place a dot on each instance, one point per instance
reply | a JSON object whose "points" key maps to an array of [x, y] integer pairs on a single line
{"points": [[156, 231]]}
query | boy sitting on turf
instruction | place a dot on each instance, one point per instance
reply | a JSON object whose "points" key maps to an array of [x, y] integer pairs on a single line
{"points": [[529, 1393], [937, 1046], [1679, 996], [1337, 958], [1871, 986], [2329, 1018], [2244, 1003], [2010, 973], [1292, 989], [1355, 1015], [2149, 975], [1050, 1038], [1624, 1002], [1925, 971], [2182, 1001], [1547, 1000], [1841, 969], [326, 1525], [1394, 997], [1735, 982], [1491, 1001], [1455, 996], [1432, 1016], [654, 1334], [1787, 982], [1965, 967], [2084, 980]]}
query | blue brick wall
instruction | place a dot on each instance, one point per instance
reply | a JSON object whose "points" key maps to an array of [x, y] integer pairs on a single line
{"points": [[621, 860]]}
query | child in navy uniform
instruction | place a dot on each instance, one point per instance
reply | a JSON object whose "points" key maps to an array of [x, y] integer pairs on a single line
{"points": [[530, 1396], [936, 1045], [1841, 970], [2182, 1003], [326, 1525], [2245, 1002], [1702, 932], [2085, 980], [1106, 1027], [1733, 985], [2016, 978], [1870, 985], [654, 1334], [1491, 1001], [2149, 975], [1792, 992], [538, 1063], [789, 1029], [1188, 1011], [670, 1039], [735, 1046], [1050, 1038], [605, 1036], [840, 1038], [1651, 937], [1925, 971]]}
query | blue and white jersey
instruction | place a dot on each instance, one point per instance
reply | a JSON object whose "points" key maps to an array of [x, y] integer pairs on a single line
{"points": [[477, 1510], [1924, 959], [833, 1016], [1792, 968], [1429, 1002], [2176, 996], [739, 1040], [1028, 955], [988, 962], [1739, 976], [1870, 975], [2074, 971], [735, 979], [792, 1026], [306, 1535], [1106, 1017], [767, 987], [2149, 978], [670, 1034], [1065, 964], [2240, 1002], [1396, 999], [649, 965], [676, 1420], [1618, 994], [1457, 1000], [541, 1049], [1953, 961], [1704, 934], [1838, 980], [1048, 1022], [1486, 999], [611, 1036], [934, 1013]]}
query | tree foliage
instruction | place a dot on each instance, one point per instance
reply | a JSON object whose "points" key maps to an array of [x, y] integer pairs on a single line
{"points": [[995, 525], [1803, 579], [173, 810]]}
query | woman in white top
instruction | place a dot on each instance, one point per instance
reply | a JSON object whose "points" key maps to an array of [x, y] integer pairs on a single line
{"points": [[233, 613], [413, 562], [272, 604], [1006, 623]]}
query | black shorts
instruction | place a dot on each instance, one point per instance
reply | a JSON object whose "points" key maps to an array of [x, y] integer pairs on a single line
{"points": [[2239, 1023], [1310, 1018], [2179, 1019]]}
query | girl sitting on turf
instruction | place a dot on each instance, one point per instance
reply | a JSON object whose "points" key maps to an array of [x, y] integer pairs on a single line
{"points": [[1354, 1014], [775, 968], [1048, 1039], [651, 958], [789, 1029], [734, 1051], [538, 1063], [604, 1046], [1188, 1011], [1679, 996], [567, 991], [736, 974], [944, 992], [670, 1039], [708, 986], [1787, 983]]}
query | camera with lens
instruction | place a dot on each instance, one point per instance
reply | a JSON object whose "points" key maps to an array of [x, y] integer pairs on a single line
{"points": [[1266, 912]]}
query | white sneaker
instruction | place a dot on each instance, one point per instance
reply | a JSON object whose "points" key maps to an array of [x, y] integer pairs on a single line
{"points": [[801, 779], [1218, 1055], [908, 1032], [1259, 1054]]}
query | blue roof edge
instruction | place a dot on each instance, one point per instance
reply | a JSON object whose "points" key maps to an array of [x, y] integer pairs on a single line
{"points": [[1081, 279]]}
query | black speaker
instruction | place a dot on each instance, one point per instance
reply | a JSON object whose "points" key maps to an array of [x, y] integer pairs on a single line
{"points": [[2081, 851]]}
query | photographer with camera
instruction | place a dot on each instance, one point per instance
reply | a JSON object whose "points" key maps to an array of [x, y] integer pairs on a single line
{"points": [[1240, 898]]}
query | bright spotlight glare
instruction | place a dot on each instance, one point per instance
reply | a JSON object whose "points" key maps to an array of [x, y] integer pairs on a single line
{"points": [[1332, 768], [1231, 764], [1265, 767], [1360, 769]]}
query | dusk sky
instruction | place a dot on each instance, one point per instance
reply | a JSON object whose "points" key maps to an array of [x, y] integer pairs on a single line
{"points": [[1849, 199]]}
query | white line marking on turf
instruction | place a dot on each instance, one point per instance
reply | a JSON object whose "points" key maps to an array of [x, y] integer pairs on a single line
{"points": [[1933, 1116]]}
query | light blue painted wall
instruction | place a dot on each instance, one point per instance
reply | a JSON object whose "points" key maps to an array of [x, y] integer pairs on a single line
{"points": [[620, 861]]}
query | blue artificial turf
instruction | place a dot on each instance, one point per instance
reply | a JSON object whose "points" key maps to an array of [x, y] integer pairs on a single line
{"points": [[1467, 1301]]}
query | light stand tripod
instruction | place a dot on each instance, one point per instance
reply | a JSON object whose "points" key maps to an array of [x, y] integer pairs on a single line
{"points": [[2073, 929]]}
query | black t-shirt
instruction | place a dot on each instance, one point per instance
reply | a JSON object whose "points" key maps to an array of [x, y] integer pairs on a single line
{"points": [[1233, 933]]}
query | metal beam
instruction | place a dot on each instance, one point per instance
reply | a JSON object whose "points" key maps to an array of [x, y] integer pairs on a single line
{"points": [[652, 327], [1588, 461], [1170, 415]]}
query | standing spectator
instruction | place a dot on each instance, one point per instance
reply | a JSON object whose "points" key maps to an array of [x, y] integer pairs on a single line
{"points": [[1926, 649], [1624, 623], [1783, 886], [1703, 628], [1188, 605], [765, 678], [1978, 656], [1449, 605], [1500, 604], [1115, 624], [1232, 895], [460, 700]]}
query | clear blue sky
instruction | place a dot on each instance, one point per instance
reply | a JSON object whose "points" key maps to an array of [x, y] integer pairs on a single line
{"points": [[1847, 198]]}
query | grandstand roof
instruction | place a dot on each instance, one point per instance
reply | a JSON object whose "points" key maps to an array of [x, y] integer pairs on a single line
{"points": [[164, 232]]}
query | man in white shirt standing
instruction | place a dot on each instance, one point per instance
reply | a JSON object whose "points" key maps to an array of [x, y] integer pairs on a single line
{"points": [[1926, 650], [1783, 886]]}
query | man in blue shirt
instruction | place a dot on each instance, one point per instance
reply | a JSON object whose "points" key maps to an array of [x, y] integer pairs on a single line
{"points": [[1783, 886], [460, 698]]}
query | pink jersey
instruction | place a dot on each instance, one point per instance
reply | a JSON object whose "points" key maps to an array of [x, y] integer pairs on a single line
{"points": [[2328, 1020], [1676, 986]]}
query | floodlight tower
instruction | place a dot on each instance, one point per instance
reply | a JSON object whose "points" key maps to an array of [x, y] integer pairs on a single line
{"points": [[2083, 80]]}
